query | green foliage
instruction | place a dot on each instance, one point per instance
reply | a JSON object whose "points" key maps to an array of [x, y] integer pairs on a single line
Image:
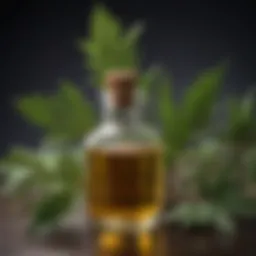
{"points": [[153, 76], [50, 209], [242, 122], [214, 170], [167, 110], [240, 136], [232, 162], [45, 170], [239, 205], [208, 168], [63, 115], [109, 45], [201, 96], [218, 188], [53, 173], [70, 171], [183, 121], [215, 174], [23, 171], [250, 162], [200, 215]]}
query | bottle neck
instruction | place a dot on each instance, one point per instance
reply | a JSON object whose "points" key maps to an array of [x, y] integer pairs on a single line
{"points": [[126, 116], [130, 115]]}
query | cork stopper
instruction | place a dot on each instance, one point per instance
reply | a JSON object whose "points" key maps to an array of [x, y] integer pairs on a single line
{"points": [[121, 86]]}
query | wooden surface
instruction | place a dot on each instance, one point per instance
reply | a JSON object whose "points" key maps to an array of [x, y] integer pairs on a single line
{"points": [[72, 240], [76, 240]]}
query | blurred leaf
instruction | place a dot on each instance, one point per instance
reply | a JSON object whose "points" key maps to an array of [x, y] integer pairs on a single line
{"points": [[49, 159], [134, 34], [41, 168], [17, 180], [250, 163], [211, 170], [201, 214], [182, 122], [218, 189], [20, 159], [51, 171], [68, 114], [200, 98], [242, 122], [131, 45], [247, 207], [50, 209], [215, 174], [25, 169], [36, 109], [53, 143], [168, 114], [109, 45], [72, 115], [166, 104], [104, 25], [238, 205], [149, 77], [19, 155], [71, 172]]}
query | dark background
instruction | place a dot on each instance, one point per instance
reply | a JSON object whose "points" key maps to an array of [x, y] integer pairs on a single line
{"points": [[38, 46]]}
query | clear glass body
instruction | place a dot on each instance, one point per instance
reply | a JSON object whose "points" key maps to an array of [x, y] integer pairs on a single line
{"points": [[125, 174]]}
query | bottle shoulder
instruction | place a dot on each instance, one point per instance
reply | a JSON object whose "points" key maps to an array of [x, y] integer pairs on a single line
{"points": [[109, 134]]}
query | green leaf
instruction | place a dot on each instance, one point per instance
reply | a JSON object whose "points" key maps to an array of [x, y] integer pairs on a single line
{"points": [[201, 97], [170, 118], [109, 45], [64, 115], [241, 121], [73, 116], [18, 180], [150, 77], [71, 171], [36, 109], [55, 173], [238, 205], [187, 120], [166, 102], [38, 168], [20, 159], [168, 114], [104, 26], [134, 34], [50, 209], [214, 174], [181, 123], [131, 45], [19, 155], [250, 163], [202, 214], [26, 169], [234, 110]]}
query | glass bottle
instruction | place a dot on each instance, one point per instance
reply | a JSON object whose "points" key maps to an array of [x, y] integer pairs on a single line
{"points": [[124, 158]]}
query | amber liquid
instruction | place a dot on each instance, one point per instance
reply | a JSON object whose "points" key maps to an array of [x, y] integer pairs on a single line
{"points": [[125, 183]]}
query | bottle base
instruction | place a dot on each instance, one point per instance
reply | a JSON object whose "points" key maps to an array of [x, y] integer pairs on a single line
{"points": [[122, 225]]}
